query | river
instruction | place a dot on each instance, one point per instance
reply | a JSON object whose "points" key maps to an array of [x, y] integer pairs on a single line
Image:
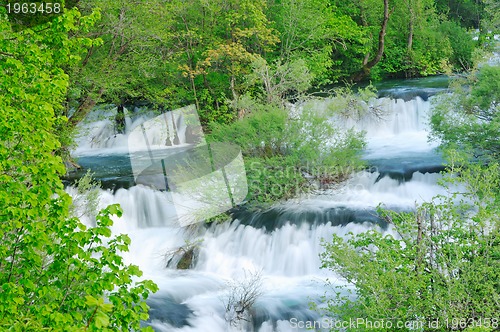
{"points": [[282, 244]]}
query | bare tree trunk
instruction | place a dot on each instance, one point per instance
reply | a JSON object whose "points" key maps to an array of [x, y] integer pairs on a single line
{"points": [[193, 86], [381, 37], [232, 85], [420, 231], [410, 26], [368, 65], [410, 35]]}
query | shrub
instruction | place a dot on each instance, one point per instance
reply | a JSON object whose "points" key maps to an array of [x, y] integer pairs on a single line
{"points": [[469, 116], [282, 151], [55, 273], [438, 267]]}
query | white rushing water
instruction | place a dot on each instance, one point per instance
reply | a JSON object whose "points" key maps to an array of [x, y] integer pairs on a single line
{"points": [[286, 253]]}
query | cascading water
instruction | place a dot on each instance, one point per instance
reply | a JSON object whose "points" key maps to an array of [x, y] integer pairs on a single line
{"points": [[282, 244]]}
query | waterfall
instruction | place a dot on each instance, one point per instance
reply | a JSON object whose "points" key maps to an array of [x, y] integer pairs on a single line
{"points": [[97, 133], [283, 243]]}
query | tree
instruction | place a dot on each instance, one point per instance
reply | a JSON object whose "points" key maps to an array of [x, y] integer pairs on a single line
{"points": [[281, 82], [401, 38], [469, 117], [127, 61], [367, 63], [372, 19], [213, 46], [310, 31], [419, 42], [468, 12], [492, 19], [244, 35], [55, 274], [461, 44]]}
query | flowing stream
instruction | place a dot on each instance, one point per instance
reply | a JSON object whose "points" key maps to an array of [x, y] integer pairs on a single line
{"points": [[282, 244]]}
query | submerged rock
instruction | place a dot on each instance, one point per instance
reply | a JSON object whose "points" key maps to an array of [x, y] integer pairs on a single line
{"points": [[165, 309]]}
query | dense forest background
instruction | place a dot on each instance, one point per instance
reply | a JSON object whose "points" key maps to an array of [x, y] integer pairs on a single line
{"points": [[219, 54]]}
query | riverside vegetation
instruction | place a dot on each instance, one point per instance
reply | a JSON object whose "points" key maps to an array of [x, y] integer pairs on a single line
{"points": [[55, 273], [241, 62], [441, 269]]}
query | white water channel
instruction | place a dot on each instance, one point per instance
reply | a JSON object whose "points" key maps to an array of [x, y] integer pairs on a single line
{"points": [[283, 244]]}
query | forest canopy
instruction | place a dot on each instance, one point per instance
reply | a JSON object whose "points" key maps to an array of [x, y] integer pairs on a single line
{"points": [[202, 52]]}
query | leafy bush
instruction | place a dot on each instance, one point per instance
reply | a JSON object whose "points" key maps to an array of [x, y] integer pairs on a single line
{"points": [[214, 109], [280, 82], [438, 267], [55, 274], [469, 117], [461, 43], [282, 150]]}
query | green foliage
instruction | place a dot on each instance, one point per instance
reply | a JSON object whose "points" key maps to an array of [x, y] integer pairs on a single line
{"points": [[280, 82], [418, 41], [469, 117], [86, 200], [55, 274], [274, 178], [28, 15], [211, 108], [353, 105], [469, 13], [491, 21], [438, 263], [125, 61], [432, 52], [485, 91], [421, 43], [310, 30], [214, 45], [283, 150], [202, 52], [461, 44], [260, 134]]}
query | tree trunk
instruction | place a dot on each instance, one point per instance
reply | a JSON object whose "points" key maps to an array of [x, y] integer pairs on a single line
{"points": [[193, 86], [232, 84], [410, 27], [410, 36], [368, 65], [120, 119], [84, 108], [381, 37]]}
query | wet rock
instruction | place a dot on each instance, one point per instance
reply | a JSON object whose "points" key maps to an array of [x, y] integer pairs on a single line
{"points": [[183, 258]]}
